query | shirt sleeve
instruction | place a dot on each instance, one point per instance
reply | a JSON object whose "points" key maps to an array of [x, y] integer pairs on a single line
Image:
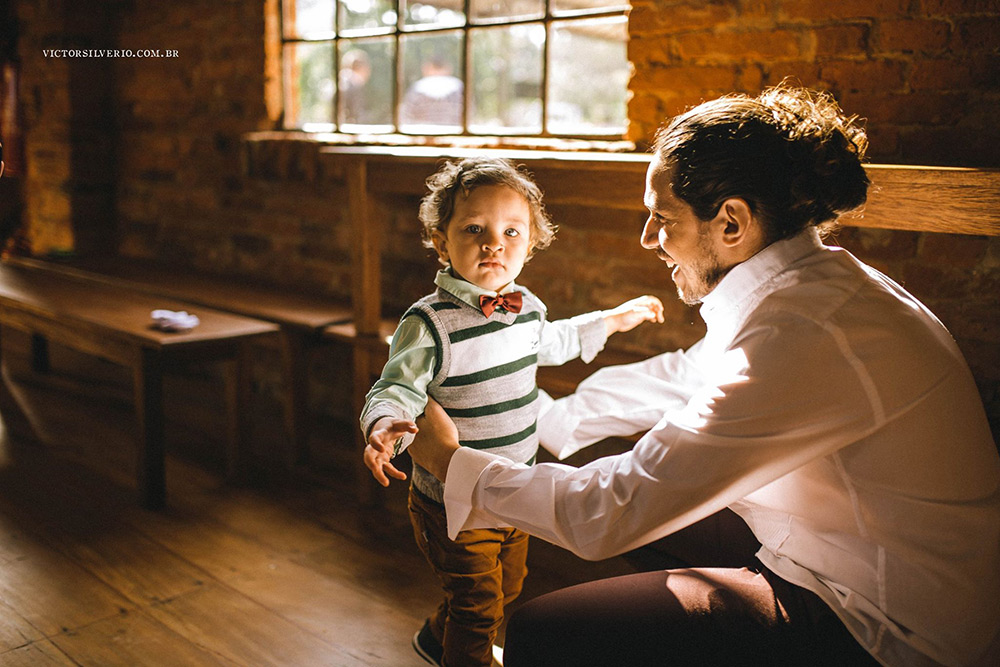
{"points": [[563, 340], [619, 401], [768, 407], [401, 391]]}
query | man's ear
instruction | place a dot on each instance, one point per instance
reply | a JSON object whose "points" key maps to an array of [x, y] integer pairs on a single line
{"points": [[441, 245], [739, 228]]}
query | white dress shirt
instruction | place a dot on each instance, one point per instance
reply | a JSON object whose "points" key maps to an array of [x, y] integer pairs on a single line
{"points": [[827, 407]]}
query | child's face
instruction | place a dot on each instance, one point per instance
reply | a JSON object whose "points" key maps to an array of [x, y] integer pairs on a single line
{"points": [[488, 238]]}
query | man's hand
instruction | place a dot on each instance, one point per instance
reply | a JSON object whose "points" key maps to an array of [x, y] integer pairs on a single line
{"points": [[437, 442], [382, 446], [633, 313]]}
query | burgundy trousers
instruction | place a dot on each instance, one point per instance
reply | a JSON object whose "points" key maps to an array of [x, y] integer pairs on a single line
{"points": [[719, 606]]}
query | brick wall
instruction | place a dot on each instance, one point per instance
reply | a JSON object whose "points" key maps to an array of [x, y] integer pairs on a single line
{"points": [[151, 156], [923, 72]]}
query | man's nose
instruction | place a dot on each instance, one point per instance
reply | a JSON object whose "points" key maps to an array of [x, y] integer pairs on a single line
{"points": [[650, 237]]}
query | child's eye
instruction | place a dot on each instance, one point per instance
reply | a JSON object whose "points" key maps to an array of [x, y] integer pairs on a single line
{"points": [[512, 232], [474, 229]]}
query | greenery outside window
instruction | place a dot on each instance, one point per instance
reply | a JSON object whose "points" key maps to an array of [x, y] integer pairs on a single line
{"points": [[476, 67]]}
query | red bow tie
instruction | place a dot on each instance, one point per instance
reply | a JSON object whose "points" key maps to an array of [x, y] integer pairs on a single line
{"points": [[509, 302]]}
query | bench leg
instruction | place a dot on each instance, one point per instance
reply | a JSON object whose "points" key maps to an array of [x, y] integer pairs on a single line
{"points": [[295, 369], [238, 394], [40, 354], [148, 381], [369, 491]]}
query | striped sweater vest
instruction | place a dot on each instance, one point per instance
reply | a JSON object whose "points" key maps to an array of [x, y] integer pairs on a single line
{"points": [[484, 376]]}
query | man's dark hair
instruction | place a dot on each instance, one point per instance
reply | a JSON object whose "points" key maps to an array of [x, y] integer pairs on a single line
{"points": [[791, 153]]}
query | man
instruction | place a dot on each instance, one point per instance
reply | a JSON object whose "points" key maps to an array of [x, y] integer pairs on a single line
{"points": [[825, 406]]}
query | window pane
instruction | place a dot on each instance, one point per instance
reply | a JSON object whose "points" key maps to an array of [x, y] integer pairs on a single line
{"points": [[506, 79], [309, 85], [366, 15], [432, 13], [309, 19], [593, 51], [366, 79], [486, 11], [430, 75], [564, 7]]}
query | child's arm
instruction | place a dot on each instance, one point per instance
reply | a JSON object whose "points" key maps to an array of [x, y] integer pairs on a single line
{"points": [[632, 313], [398, 396], [585, 335]]}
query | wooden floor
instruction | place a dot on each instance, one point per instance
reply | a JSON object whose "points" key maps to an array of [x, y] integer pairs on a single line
{"points": [[291, 570]]}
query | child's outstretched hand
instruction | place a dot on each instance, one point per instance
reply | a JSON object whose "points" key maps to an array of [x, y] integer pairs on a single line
{"points": [[633, 313], [381, 446]]}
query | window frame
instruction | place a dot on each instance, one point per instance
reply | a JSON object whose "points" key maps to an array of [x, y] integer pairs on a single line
{"points": [[397, 32]]}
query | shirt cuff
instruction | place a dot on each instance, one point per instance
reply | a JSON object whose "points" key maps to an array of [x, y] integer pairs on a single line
{"points": [[593, 335], [466, 467]]}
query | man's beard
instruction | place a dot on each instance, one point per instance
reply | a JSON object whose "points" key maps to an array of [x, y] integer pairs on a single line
{"points": [[709, 275]]}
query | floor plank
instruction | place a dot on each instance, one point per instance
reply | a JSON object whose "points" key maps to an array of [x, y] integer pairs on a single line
{"points": [[132, 639], [38, 654], [15, 630], [48, 590], [251, 633]]}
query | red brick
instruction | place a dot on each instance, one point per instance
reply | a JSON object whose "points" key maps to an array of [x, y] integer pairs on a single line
{"points": [[959, 146], [883, 143], [985, 70], [854, 76], [815, 10], [918, 108], [980, 33], [953, 250], [930, 282], [799, 73], [911, 36], [881, 245], [757, 9], [841, 40], [645, 50], [957, 7], [941, 74], [750, 79], [645, 108], [732, 46], [686, 17], [688, 78]]}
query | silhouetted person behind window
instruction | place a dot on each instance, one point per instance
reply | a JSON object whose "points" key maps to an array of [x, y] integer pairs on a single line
{"points": [[355, 71], [435, 98]]}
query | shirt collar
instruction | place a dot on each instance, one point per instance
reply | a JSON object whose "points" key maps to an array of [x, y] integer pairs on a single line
{"points": [[466, 291], [746, 283]]}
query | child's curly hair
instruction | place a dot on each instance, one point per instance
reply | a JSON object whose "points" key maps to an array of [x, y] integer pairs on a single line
{"points": [[464, 176]]}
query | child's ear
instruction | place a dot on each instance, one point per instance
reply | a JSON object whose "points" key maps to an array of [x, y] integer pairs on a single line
{"points": [[441, 245]]}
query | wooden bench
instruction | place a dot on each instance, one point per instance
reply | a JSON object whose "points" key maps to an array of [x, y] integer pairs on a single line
{"points": [[302, 318], [114, 323]]}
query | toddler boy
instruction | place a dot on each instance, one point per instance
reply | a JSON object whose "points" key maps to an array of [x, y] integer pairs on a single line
{"points": [[474, 346]]}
